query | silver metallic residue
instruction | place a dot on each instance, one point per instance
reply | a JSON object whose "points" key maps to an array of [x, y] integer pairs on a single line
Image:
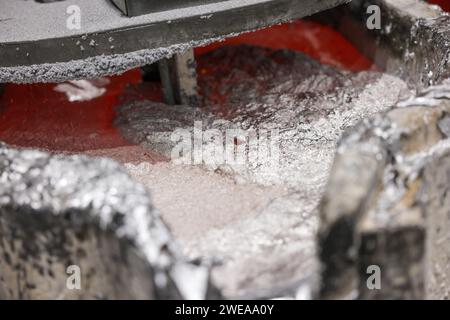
{"points": [[101, 188], [100, 192]]}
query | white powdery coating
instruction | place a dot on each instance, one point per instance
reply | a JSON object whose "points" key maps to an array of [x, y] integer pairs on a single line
{"points": [[215, 200], [269, 251]]}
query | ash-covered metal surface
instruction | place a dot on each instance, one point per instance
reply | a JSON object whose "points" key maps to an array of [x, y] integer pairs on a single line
{"points": [[270, 249]]}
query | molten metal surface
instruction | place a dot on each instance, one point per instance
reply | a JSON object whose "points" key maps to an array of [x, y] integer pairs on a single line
{"points": [[320, 42], [36, 115]]}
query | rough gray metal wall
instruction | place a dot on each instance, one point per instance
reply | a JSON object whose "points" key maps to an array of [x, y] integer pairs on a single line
{"points": [[387, 204], [58, 211], [413, 41]]}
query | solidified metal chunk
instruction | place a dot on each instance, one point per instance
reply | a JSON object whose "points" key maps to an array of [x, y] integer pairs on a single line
{"points": [[61, 215], [390, 217]]}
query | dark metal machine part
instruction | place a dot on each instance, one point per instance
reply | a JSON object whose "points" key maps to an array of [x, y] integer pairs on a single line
{"points": [[179, 79], [193, 27], [138, 7], [47, 1]]}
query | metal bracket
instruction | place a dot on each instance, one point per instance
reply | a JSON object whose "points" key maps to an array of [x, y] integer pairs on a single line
{"points": [[179, 79], [133, 8]]}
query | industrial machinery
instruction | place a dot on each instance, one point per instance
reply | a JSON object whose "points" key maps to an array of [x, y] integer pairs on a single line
{"points": [[53, 41]]}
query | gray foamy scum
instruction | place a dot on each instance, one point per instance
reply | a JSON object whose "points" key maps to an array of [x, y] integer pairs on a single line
{"points": [[305, 104], [76, 210]]}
